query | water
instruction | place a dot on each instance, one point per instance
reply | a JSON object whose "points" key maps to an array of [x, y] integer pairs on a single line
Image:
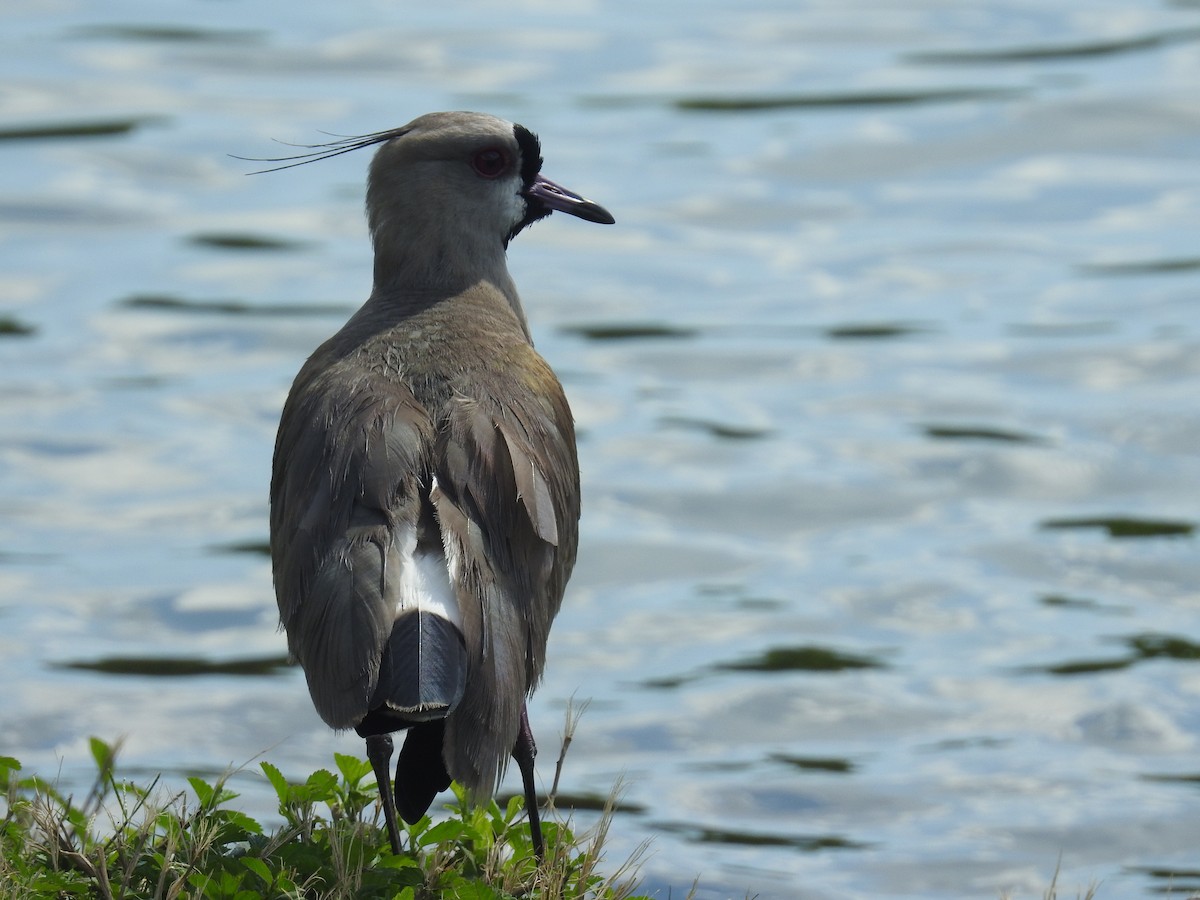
{"points": [[885, 381]]}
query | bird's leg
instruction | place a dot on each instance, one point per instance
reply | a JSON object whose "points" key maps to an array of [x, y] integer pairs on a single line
{"points": [[524, 752], [379, 752]]}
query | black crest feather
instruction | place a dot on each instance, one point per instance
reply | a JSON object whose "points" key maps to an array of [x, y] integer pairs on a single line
{"points": [[316, 152]]}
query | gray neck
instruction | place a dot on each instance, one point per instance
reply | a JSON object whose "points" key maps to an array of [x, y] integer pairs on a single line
{"points": [[417, 271]]}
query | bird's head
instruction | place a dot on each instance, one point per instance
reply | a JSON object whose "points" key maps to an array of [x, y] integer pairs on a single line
{"points": [[470, 171], [449, 190]]}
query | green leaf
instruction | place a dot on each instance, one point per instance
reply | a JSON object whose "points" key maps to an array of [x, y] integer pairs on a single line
{"points": [[230, 883], [322, 780], [419, 827], [204, 791], [443, 832], [390, 861], [242, 821], [103, 754], [282, 788], [8, 765], [352, 768], [201, 882], [516, 803], [476, 890]]}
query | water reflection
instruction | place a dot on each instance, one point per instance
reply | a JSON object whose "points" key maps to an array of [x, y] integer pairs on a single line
{"points": [[232, 307], [78, 129], [177, 667], [886, 387], [1124, 526], [1057, 52], [801, 659], [836, 100]]}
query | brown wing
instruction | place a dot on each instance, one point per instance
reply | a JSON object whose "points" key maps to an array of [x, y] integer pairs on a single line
{"points": [[350, 458], [507, 500]]}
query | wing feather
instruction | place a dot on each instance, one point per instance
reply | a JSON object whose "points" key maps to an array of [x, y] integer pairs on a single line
{"points": [[350, 458], [507, 504]]}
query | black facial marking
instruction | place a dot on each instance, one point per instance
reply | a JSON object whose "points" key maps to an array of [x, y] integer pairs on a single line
{"points": [[531, 154], [531, 165]]}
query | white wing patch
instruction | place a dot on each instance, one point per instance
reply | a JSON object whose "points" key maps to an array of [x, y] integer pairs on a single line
{"points": [[424, 581]]}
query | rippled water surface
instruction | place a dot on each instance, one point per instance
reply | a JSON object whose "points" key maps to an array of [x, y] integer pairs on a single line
{"points": [[887, 382]]}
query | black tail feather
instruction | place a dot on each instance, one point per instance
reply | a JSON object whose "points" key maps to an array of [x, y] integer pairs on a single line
{"points": [[422, 674], [420, 772], [424, 665]]}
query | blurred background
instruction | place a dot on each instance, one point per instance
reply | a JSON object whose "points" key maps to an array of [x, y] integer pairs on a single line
{"points": [[887, 384]]}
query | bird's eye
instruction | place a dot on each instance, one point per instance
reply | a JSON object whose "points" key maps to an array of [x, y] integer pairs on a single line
{"points": [[489, 163]]}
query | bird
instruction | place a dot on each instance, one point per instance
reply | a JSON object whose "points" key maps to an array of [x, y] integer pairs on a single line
{"points": [[425, 498]]}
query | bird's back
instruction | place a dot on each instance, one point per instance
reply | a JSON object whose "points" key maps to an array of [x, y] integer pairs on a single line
{"points": [[424, 516]]}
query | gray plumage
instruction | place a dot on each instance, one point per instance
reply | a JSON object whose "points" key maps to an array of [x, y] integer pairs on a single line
{"points": [[427, 440]]}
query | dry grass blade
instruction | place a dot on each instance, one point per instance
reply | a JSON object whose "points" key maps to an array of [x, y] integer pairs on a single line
{"points": [[1052, 891], [573, 715]]}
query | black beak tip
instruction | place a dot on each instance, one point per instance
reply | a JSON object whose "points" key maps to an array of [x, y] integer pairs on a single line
{"points": [[553, 197], [599, 215]]}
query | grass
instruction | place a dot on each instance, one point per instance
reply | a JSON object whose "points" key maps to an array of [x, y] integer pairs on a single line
{"points": [[1052, 891], [129, 841], [126, 842]]}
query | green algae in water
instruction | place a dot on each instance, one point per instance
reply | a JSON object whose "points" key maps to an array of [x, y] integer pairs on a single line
{"points": [[1125, 527], [808, 658]]}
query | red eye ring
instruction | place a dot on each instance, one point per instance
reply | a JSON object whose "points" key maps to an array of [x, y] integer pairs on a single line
{"points": [[490, 163]]}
